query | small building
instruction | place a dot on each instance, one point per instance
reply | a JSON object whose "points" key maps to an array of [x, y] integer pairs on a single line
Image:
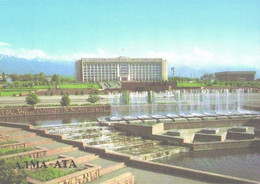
{"points": [[236, 76]]}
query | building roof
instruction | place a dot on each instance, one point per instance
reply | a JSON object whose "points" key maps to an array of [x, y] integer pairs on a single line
{"points": [[236, 72], [121, 59]]}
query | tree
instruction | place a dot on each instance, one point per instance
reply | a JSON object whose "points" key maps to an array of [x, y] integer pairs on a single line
{"points": [[32, 99], [125, 98], [55, 78], [9, 175], [93, 98], [65, 100], [3, 76], [150, 97]]}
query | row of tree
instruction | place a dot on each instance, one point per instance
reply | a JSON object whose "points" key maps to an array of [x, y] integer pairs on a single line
{"points": [[39, 79], [33, 99]]}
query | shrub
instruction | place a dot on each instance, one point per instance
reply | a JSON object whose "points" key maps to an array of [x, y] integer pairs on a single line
{"points": [[93, 98], [9, 175], [32, 99], [65, 100], [49, 173]]}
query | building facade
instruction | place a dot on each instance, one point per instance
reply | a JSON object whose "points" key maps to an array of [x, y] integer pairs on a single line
{"points": [[236, 76], [121, 69]]}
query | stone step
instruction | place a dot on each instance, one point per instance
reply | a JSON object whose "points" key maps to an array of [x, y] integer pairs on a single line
{"points": [[140, 145], [239, 135], [112, 168], [60, 150], [17, 137], [123, 178], [114, 140]]}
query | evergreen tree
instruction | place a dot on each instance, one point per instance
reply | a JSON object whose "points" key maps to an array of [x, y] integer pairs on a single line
{"points": [[65, 100]]}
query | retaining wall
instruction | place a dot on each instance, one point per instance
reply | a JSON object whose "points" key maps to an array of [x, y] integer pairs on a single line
{"points": [[204, 123], [26, 111], [141, 130], [221, 145], [84, 176]]}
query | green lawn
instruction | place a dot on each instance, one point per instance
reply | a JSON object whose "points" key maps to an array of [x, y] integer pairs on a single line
{"points": [[9, 151], [79, 86], [186, 84], [7, 142], [10, 91], [47, 174]]}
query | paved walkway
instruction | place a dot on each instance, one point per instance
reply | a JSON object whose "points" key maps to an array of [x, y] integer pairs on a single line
{"points": [[141, 176]]}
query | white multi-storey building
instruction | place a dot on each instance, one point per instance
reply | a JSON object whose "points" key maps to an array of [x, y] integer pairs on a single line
{"points": [[120, 69]]}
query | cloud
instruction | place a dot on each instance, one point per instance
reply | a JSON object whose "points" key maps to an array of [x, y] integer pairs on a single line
{"points": [[4, 44], [198, 58], [41, 55]]}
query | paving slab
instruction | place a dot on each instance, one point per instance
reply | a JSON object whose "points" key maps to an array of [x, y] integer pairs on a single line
{"points": [[53, 145], [145, 176], [103, 162]]}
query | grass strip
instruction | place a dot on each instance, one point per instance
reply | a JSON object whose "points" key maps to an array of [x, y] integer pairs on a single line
{"points": [[9, 151], [49, 173], [7, 142]]}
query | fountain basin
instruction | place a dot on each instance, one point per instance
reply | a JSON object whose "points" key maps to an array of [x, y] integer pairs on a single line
{"points": [[247, 116], [198, 115], [159, 117], [186, 115], [172, 116], [234, 117], [180, 120], [150, 121], [221, 117], [135, 121], [144, 117], [208, 118], [209, 130], [211, 114], [165, 120], [239, 129], [194, 119], [175, 132], [115, 119], [130, 118]]}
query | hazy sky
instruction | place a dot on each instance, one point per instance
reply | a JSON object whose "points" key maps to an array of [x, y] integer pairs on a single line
{"points": [[185, 32]]}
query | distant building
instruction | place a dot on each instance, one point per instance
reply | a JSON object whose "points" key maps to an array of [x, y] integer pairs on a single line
{"points": [[121, 69], [236, 76], [208, 77]]}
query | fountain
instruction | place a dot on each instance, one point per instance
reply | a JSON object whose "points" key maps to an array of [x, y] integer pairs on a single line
{"points": [[181, 101]]}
